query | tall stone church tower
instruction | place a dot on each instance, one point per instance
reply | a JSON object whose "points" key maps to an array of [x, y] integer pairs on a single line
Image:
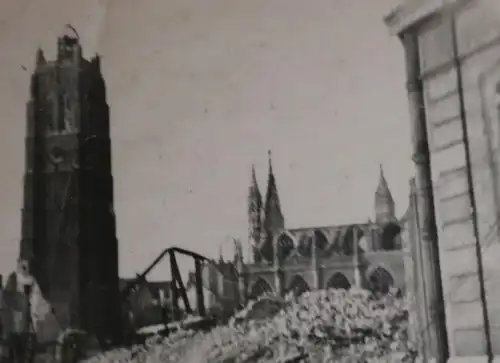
{"points": [[272, 218], [68, 222], [266, 219]]}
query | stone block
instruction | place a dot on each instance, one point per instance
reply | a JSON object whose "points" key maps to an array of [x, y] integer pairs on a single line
{"points": [[495, 342], [494, 313], [476, 26], [469, 359], [445, 135], [446, 109], [440, 85], [464, 289], [480, 79], [435, 45], [469, 343], [456, 235], [454, 209], [451, 184], [448, 160], [460, 261], [490, 262]]}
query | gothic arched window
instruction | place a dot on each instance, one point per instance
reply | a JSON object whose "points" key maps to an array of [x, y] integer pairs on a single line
{"points": [[338, 281], [298, 286], [380, 280], [320, 240], [336, 246], [285, 246], [304, 246], [259, 288], [389, 238], [347, 243]]}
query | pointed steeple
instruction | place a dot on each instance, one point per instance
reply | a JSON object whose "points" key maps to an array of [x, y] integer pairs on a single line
{"points": [[254, 188], [383, 187], [238, 253], [221, 257], [384, 203], [413, 186], [273, 217], [254, 210], [40, 58]]}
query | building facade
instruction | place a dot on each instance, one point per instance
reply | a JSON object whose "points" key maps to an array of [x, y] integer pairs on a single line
{"points": [[368, 255], [144, 303], [68, 222], [452, 54]]}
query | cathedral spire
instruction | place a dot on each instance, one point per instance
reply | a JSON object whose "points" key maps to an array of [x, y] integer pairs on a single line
{"points": [[254, 209], [221, 254], [384, 203], [254, 187], [40, 58], [273, 217], [383, 187], [270, 161], [238, 251]]}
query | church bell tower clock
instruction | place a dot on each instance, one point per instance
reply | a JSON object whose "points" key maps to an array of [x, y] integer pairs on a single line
{"points": [[68, 229]]}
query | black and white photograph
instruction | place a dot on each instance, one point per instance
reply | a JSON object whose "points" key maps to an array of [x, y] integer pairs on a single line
{"points": [[250, 181]]}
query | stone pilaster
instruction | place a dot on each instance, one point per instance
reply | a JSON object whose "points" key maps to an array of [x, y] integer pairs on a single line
{"points": [[454, 43], [315, 264], [434, 333], [278, 273], [242, 291], [220, 280], [356, 264]]}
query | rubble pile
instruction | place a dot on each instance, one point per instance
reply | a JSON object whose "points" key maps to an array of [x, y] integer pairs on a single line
{"points": [[320, 326]]}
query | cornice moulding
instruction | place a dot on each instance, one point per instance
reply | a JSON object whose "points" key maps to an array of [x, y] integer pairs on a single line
{"points": [[412, 12]]}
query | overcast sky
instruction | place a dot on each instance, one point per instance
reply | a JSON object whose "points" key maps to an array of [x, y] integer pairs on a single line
{"points": [[201, 89]]}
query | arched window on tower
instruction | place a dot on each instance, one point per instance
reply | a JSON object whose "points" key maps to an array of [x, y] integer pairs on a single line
{"points": [[390, 237], [285, 246], [259, 288], [380, 281], [320, 240], [298, 286], [338, 281]]}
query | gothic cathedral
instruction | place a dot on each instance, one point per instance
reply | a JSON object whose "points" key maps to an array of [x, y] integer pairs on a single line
{"points": [[283, 260]]}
